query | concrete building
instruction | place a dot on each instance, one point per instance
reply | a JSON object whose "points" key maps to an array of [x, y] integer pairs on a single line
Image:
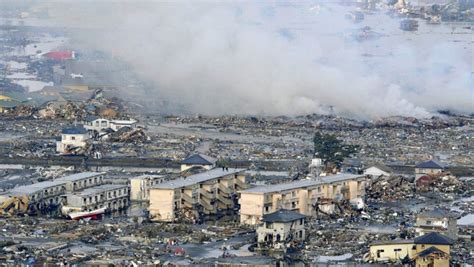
{"points": [[118, 124], [112, 196], [41, 194], [72, 138], [83, 180], [305, 196], [280, 228], [140, 186], [438, 221], [198, 160], [201, 194], [429, 250], [430, 167]]}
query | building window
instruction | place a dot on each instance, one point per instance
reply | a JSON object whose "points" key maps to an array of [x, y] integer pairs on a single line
{"points": [[397, 250], [73, 138], [428, 222], [301, 221], [293, 194]]}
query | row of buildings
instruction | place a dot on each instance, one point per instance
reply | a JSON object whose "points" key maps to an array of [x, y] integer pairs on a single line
{"points": [[77, 192]]}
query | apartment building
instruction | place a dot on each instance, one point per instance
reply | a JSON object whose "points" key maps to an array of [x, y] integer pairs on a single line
{"points": [[111, 196], [83, 180], [205, 193], [303, 196], [140, 186], [41, 194]]}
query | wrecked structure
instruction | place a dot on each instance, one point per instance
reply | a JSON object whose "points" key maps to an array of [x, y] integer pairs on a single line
{"points": [[200, 194], [308, 196], [436, 220], [73, 140]]}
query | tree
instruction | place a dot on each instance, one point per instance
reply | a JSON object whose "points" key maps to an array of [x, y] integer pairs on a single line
{"points": [[330, 149]]}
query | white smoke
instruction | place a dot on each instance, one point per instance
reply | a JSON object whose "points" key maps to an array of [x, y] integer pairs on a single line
{"points": [[277, 58]]}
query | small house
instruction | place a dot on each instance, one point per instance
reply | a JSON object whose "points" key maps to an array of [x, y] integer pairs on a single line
{"points": [[280, 228], [198, 160], [430, 167], [72, 138], [378, 170]]}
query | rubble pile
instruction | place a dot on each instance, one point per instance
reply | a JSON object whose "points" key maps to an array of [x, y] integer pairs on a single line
{"points": [[390, 188]]}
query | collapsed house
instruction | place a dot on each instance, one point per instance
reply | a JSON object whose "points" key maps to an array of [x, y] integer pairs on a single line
{"points": [[94, 123], [308, 196], [206, 193]]}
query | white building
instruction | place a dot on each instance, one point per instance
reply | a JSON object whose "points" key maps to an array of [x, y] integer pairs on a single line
{"points": [[378, 170], [280, 228], [140, 186], [112, 196], [71, 139], [93, 123], [436, 220]]}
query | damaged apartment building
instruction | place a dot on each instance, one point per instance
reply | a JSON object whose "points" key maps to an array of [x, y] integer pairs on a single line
{"points": [[309, 196], [206, 193]]}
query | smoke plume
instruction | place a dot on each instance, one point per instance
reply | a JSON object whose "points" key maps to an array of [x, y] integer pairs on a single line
{"points": [[279, 58]]}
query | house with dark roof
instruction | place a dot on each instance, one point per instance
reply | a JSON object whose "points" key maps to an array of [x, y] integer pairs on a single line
{"points": [[431, 249], [280, 228], [198, 160], [436, 220], [71, 139], [430, 167]]}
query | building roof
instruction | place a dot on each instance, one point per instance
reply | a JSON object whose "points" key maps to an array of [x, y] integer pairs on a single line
{"points": [[435, 213], [99, 189], [125, 122], [198, 178], [75, 130], [283, 216], [393, 241], [79, 176], [381, 167], [434, 238], [429, 251], [199, 159], [91, 118], [33, 188], [9, 103], [430, 164], [303, 183], [146, 176]]}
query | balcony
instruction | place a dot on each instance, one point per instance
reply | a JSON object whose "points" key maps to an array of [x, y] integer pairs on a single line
{"points": [[224, 189], [187, 199], [206, 194], [226, 201], [240, 184]]}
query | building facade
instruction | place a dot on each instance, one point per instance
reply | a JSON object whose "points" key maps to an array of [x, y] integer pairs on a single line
{"points": [[438, 221], [201, 194], [83, 180], [111, 196], [280, 228], [304, 196], [71, 139], [429, 250], [140, 186]]}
